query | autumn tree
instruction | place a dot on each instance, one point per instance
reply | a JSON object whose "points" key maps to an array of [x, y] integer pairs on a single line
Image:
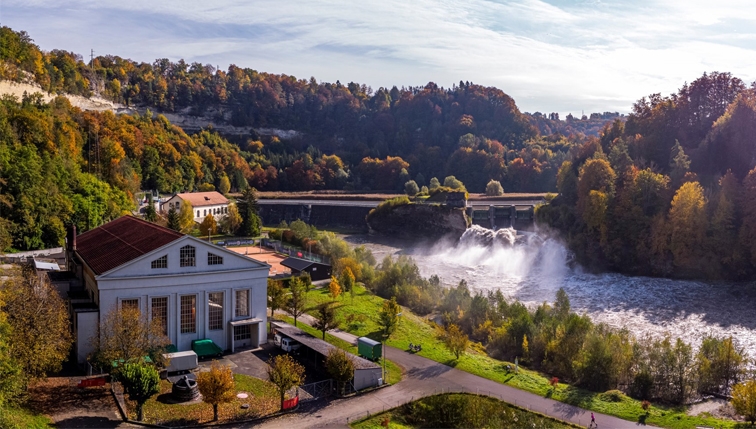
{"points": [[12, 380], [679, 164], [388, 317], [595, 175], [40, 332], [225, 185], [232, 220], [140, 381], [347, 279], [433, 184], [455, 340], [326, 318], [186, 217], [721, 363], [340, 367], [206, 187], [284, 372], [127, 335], [216, 386], [744, 400], [208, 226], [494, 188], [687, 223], [454, 183], [411, 188], [334, 288], [297, 301]]}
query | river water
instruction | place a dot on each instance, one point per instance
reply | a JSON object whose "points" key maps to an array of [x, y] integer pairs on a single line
{"points": [[533, 269]]}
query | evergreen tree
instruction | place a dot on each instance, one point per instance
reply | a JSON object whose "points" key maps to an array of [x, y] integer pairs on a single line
{"points": [[173, 220], [248, 209]]}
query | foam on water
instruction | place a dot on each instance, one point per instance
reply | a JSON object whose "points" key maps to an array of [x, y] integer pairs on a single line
{"points": [[531, 268]]}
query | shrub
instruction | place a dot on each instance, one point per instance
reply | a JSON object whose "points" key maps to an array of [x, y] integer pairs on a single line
{"points": [[411, 188], [386, 206], [494, 188], [612, 396]]}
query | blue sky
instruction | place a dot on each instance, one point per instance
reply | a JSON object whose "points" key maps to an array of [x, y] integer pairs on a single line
{"points": [[556, 55]]}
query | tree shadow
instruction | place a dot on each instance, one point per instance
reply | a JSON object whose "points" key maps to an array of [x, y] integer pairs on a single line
{"points": [[88, 422], [642, 419], [428, 372], [452, 362]]}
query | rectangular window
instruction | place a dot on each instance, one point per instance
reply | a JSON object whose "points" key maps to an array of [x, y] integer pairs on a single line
{"points": [[161, 262], [242, 332], [130, 303], [215, 313], [214, 259], [188, 314], [242, 303], [187, 255], [160, 312]]}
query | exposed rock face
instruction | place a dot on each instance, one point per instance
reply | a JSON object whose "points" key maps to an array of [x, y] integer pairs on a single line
{"points": [[419, 220]]}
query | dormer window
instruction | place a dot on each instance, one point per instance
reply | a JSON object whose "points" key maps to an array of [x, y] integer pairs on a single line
{"points": [[187, 256], [214, 259], [161, 262]]}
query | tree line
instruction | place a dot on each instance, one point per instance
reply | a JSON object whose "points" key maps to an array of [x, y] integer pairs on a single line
{"points": [[670, 192]]}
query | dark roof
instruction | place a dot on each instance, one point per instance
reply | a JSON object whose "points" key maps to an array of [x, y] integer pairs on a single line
{"points": [[319, 346], [297, 264], [120, 241]]}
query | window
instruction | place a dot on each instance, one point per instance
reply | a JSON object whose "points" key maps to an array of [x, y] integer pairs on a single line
{"points": [[204, 212], [242, 332], [178, 205], [188, 314], [187, 254], [161, 262], [130, 303], [198, 215], [215, 315], [214, 259], [160, 312], [242, 303]]}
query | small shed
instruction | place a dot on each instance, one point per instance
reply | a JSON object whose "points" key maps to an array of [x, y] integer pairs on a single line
{"points": [[368, 348], [316, 270]]}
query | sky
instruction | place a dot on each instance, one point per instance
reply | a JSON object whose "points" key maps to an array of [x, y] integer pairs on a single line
{"points": [[549, 55]]}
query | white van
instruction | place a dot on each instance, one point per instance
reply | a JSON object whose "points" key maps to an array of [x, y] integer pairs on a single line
{"points": [[287, 344]]}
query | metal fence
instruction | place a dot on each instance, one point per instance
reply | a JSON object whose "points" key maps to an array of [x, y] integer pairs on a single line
{"points": [[317, 390]]}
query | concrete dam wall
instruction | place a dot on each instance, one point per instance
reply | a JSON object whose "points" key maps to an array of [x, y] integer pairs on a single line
{"points": [[319, 215]]}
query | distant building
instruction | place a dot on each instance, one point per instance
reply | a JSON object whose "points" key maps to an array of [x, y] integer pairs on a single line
{"points": [[316, 270], [203, 203], [196, 289]]}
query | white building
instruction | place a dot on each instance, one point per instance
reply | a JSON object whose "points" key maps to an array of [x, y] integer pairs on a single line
{"points": [[198, 290], [203, 203]]}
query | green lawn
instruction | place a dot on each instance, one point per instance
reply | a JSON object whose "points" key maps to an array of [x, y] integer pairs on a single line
{"points": [[459, 410], [417, 330], [263, 400], [12, 418], [394, 372]]}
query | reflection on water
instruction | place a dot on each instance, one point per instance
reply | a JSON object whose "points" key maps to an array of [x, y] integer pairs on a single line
{"points": [[533, 269]]}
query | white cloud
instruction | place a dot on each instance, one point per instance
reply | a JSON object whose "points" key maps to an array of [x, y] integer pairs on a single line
{"points": [[555, 55]]}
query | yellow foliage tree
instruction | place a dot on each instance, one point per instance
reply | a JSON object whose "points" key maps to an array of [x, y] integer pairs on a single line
{"points": [[334, 288], [744, 400], [208, 226], [687, 224], [186, 217], [216, 386]]}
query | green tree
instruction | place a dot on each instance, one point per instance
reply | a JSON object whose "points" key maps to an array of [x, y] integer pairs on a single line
{"points": [[744, 400], [128, 335], [455, 340], [340, 367], [284, 372], [679, 164], [326, 318], [40, 335], [12, 382], [140, 382], [494, 188], [297, 301], [186, 217], [433, 184], [347, 279], [454, 183], [173, 220], [411, 188], [216, 386], [721, 363], [277, 298], [232, 220], [150, 214], [208, 226], [247, 205], [206, 187], [388, 317]]}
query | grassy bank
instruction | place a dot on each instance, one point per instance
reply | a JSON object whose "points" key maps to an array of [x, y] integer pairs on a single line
{"points": [[394, 371], [12, 418], [459, 410], [416, 330]]}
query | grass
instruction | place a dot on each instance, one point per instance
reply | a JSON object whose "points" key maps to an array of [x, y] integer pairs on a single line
{"points": [[495, 413], [394, 371], [417, 330], [12, 417], [263, 400]]}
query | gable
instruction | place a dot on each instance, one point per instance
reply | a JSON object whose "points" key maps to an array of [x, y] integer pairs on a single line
{"points": [[187, 255]]}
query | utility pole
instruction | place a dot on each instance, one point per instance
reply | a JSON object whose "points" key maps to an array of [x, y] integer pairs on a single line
{"points": [[91, 59]]}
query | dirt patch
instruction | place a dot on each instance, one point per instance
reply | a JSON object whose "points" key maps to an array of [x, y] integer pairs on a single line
{"points": [[271, 258], [70, 406], [714, 407], [92, 103]]}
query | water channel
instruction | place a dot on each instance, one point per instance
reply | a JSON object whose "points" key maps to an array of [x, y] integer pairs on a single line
{"points": [[533, 269]]}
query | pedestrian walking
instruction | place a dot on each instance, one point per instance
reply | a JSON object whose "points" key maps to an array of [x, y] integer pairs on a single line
{"points": [[593, 422]]}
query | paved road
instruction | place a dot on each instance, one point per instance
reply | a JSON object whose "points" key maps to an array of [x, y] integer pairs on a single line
{"points": [[425, 377]]}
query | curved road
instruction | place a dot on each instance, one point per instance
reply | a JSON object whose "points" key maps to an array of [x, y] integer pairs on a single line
{"points": [[424, 377]]}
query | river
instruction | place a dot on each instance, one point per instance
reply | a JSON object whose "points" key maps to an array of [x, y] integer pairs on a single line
{"points": [[534, 270]]}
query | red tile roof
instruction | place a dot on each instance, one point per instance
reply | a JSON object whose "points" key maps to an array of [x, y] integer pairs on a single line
{"points": [[120, 241], [199, 199]]}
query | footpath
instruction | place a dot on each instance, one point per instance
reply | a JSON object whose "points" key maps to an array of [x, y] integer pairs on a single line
{"points": [[424, 377]]}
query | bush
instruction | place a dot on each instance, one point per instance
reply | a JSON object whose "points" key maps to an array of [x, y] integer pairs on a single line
{"points": [[411, 188], [612, 396], [386, 206], [494, 188]]}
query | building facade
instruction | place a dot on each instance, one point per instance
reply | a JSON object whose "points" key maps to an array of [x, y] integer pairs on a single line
{"points": [[195, 289], [203, 203]]}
